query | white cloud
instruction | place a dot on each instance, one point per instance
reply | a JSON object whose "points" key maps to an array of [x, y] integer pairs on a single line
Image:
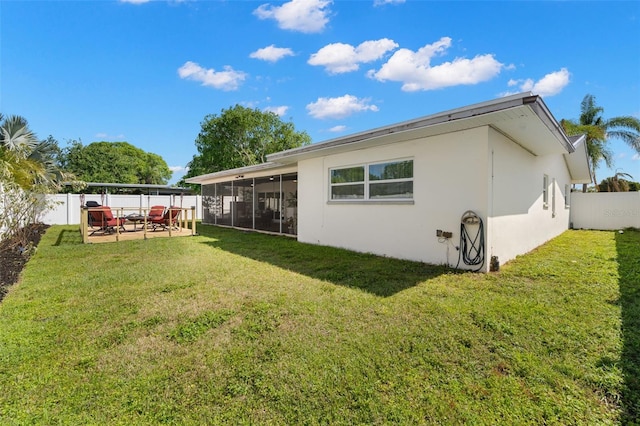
{"points": [[277, 110], [415, 72], [384, 2], [176, 169], [552, 83], [307, 16], [229, 79], [340, 57], [135, 1], [636, 157], [340, 107], [271, 53], [549, 85], [340, 128]]}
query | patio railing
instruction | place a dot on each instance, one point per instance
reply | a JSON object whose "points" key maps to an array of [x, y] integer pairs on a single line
{"points": [[179, 220]]}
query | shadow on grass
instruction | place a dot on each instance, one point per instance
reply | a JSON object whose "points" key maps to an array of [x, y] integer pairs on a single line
{"points": [[628, 248], [68, 237], [377, 275]]}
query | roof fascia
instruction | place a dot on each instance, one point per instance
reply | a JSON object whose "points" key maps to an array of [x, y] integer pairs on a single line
{"points": [[240, 172], [542, 111], [535, 102]]}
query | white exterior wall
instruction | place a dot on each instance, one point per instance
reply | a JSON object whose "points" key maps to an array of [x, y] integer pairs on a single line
{"points": [[518, 222], [605, 210], [479, 170], [450, 176]]}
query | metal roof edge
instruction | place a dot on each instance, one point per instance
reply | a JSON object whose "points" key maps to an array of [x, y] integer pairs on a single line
{"points": [[131, 185], [236, 171], [542, 111], [525, 98]]}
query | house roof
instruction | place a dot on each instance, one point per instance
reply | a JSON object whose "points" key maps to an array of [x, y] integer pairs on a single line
{"points": [[524, 118], [578, 160], [247, 172]]}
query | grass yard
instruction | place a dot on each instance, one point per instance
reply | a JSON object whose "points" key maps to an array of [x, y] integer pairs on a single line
{"points": [[242, 328]]}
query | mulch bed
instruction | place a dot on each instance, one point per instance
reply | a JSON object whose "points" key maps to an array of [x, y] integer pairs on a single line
{"points": [[13, 257]]}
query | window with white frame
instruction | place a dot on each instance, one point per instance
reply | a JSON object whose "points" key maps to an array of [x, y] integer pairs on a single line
{"points": [[392, 180], [567, 195], [545, 192]]}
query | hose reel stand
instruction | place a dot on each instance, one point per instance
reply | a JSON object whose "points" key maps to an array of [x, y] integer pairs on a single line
{"points": [[471, 247]]}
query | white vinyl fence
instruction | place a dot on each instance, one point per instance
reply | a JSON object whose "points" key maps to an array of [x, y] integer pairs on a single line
{"points": [[591, 210], [605, 210], [66, 210]]}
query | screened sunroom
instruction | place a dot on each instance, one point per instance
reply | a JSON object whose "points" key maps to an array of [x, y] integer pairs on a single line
{"points": [[256, 198]]}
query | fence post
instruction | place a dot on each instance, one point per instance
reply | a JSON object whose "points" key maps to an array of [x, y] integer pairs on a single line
{"points": [[84, 224], [69, 208], [193, 220]]}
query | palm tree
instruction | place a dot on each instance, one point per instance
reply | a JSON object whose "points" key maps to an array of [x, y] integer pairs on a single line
{"points": [[24, 160], [27, 168], [17, 142], [598, 130], [616, 183]]}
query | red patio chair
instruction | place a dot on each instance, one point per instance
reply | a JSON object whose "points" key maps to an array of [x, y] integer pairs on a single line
{"points": [[169, 218], [103, 220], [156, 212]]}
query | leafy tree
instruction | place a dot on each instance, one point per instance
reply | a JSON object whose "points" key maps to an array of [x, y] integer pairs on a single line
{"points": [[114, 162], [599, 130], [240, 137]]}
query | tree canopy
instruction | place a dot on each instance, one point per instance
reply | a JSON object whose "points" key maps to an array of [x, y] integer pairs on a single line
{"points": [[599, 130], [239, 137], [114, 162], [618, 183]]}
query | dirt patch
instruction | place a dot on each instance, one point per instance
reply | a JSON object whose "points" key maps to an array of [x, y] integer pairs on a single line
{"points": [[15, 252]]}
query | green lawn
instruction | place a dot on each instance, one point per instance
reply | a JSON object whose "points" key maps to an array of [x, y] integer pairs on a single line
{"points": [[240, 328]]}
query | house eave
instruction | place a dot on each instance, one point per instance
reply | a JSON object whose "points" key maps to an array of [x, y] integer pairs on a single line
{"points": [[524, 117], [258, 170], [578, 160]]}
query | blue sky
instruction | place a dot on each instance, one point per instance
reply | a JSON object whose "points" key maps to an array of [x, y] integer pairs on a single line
{"points": [[148, 72]]}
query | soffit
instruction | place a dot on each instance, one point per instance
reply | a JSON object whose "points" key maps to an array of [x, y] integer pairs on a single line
{"points": [[578, 161]]}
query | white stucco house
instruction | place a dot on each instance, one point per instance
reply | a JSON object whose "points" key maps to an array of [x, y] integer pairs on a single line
{"points": [[463, 187]]}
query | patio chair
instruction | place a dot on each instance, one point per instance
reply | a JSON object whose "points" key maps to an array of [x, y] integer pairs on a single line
{"points": [[156, 212], [169, 218], [102, 219]]}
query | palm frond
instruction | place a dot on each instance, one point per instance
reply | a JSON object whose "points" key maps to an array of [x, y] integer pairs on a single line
{"points": [[16, 136], [626, 128]]}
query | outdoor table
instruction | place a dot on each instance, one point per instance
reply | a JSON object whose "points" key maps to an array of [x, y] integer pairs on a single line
{"points": [[136, 218]]}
